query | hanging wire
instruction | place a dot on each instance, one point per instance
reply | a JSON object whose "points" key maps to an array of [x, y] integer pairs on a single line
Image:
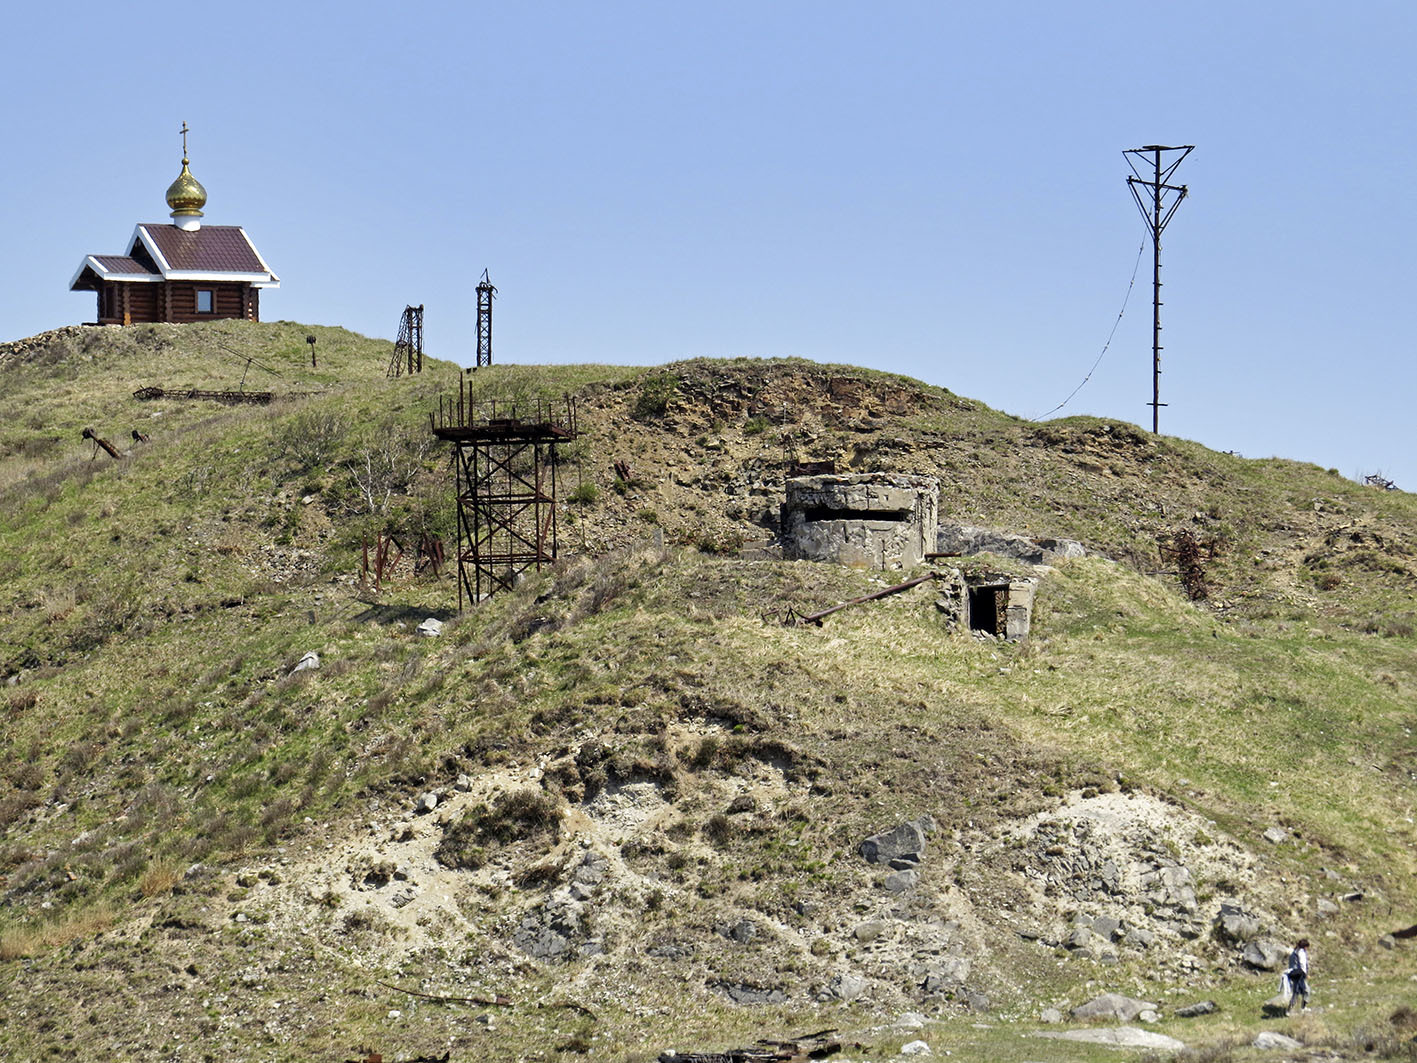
{"points": [[1130, 284]]}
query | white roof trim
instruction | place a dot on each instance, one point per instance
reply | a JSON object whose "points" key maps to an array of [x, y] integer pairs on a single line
{"points": [[259, 257], [140, 232], [92, 262]]}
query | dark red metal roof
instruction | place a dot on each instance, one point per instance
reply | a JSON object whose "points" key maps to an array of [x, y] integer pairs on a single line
{"points": [[210, 249], [121, 264]]}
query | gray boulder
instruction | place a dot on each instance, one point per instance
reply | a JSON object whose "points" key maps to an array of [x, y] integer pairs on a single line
{"points": [[903, 842], [900, 881], [1112, 1006], [1235, 924], [1269, 1041], [1120, 1036], [1265, 955], [1192, 1011]]}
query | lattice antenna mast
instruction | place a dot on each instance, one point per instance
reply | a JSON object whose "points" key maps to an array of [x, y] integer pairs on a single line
{"points": [[485, 292], [1157, 200], [408, 348]]}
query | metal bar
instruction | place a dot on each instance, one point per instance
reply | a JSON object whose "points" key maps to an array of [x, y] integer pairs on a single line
{"points": [[816, 618]]}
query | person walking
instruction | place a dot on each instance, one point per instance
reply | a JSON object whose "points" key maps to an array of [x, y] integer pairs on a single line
{"points": [[1298, 975]]}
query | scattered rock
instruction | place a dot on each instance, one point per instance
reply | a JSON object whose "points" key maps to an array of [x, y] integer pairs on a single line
{"points": [[845, 986], [742, 993], [948, 973], [464, 784], [1112, 1006], [869, 931], [431, 628], [426, 803], [900, 881], [1052, 1016], [1268, 1040], [1275, 835], [1327, 907], [742, 931], [1387, 941], [906, 840], [1192, 1011], [742, 803], [915, 1048]]}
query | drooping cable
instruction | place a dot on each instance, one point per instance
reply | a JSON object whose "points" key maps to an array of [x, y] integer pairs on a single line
{"points": [[1130, 284]]}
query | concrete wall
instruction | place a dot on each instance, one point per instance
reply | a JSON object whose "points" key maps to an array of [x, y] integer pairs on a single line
{"points": [[874, 520]]}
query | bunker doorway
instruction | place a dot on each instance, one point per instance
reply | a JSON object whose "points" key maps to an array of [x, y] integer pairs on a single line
{"points": [[989, 609]]}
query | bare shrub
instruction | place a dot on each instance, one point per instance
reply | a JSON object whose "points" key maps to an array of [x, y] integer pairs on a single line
{"points": [[309, 439]]}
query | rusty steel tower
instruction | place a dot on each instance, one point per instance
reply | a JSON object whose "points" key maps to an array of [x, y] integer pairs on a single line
{"points": [[408, 348], [485, 292], [504, 476], [1157, 200]]}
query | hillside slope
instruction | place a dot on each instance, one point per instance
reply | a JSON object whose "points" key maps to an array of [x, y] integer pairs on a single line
{"points": [[651, 793]]}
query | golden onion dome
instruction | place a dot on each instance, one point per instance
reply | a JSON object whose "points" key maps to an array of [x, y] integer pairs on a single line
{"points": [[186, 196]]}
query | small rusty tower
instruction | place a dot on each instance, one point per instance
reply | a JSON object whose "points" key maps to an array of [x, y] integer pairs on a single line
{"points": [[504, 475], [408, 348], [485, 292]]}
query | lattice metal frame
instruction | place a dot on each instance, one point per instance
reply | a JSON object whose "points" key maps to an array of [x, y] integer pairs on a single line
{"points": [[505, 465], [485, 294], [408, 348]]}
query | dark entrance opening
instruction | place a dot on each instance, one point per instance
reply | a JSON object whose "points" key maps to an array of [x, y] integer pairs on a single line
{"points": [[989, 609]]}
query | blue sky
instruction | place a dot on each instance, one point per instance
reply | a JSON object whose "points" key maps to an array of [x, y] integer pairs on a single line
{"points": [[933, 189]]}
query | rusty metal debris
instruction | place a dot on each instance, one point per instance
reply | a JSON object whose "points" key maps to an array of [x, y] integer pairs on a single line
{"points": [[388, 552], [794, 618], [88, 433], [812, 468], [140, 437], [408, 348], [1189, 555], [622, 470], [798, 1050], [377, 1057], [1378, 480], [226, 398], [504, 470]]}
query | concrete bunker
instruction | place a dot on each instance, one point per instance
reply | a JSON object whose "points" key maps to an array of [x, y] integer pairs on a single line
{"points": [[872, 520]]}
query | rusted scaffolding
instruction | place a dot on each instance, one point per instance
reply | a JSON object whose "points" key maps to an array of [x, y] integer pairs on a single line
{"points": [[485, 292], [408, 348], [504, 476]]}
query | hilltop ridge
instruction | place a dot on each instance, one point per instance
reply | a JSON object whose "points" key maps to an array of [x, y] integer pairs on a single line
{"points": [[625, 796]]}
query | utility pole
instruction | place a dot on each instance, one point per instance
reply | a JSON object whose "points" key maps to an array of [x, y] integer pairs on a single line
{"points": [[1157, 203], [485, 292]]}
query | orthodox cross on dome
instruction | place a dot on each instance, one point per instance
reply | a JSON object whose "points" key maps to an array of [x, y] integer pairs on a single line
{"points": [[184, 141]]}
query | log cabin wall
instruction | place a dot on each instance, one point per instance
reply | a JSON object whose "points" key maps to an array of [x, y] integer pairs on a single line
{"points": [[126, 304]]}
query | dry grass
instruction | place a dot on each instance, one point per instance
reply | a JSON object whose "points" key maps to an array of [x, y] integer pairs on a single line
{"points": [[19, 942]]}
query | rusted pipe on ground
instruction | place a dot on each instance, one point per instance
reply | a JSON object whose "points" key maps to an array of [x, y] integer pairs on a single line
{"points": [[793, 618], [88, 433]]}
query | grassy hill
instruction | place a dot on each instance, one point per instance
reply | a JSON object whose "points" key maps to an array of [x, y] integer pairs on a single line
{"points": [[650, 791]]}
